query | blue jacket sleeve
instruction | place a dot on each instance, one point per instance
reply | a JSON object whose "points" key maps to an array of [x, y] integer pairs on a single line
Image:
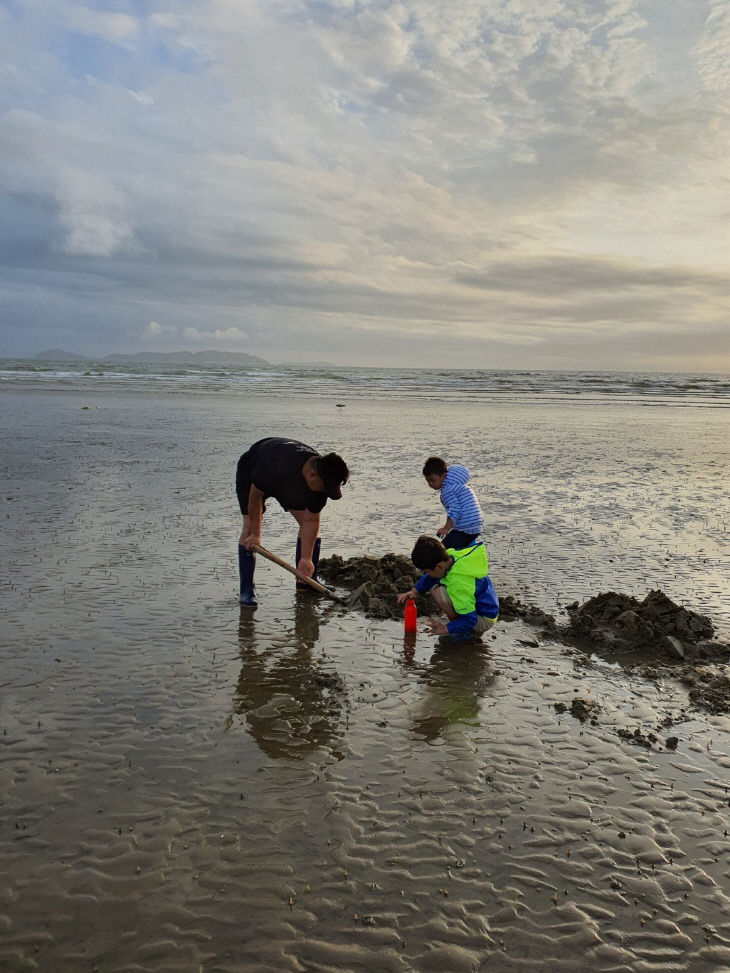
{"points": [[425, 584]]}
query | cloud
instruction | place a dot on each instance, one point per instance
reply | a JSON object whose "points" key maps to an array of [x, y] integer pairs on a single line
{"points": [[470, 174], [155, 330], [92, 213], [108, 25], [141, 97], [710, 53], [229, 336]]}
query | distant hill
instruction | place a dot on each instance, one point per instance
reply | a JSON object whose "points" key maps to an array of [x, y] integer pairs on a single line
{"points": [[161, 357], [57, 354]]}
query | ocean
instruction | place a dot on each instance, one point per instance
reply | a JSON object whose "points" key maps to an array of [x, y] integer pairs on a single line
{"points": [[476, 385]]}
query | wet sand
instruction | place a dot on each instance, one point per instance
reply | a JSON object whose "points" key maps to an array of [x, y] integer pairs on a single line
{"points": [[189, 786]]}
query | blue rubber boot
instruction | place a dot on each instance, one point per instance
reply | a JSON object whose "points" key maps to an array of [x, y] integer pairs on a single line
{"points": [[315, 561], [246, 568]]}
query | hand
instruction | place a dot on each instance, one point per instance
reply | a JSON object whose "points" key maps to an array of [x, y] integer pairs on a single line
{"points": [[405, 595], [248, 540], [442, 531], [306, 566], [436, 627]]}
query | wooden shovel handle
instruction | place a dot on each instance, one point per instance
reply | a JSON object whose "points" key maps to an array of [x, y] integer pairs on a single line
{"points": [[297, 574]]}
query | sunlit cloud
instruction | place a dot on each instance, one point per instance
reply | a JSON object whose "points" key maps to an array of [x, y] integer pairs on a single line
{"points": [[233, 336], [155, 330]]}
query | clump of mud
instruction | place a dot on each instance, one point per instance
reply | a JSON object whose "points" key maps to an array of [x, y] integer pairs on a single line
{"points": [[377, 580], [707, 689], [581, 709], [641, 739], [650, 636], [511, 608], [616, 624]]}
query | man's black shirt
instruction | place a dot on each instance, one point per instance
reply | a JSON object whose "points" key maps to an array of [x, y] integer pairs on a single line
{"points": [[274, 465]]}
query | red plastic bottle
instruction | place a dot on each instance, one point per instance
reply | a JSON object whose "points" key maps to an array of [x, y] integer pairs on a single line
{"points": [[410, 615]]}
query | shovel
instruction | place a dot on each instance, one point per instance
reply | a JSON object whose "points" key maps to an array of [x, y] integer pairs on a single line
{"points": [[301, 577]]}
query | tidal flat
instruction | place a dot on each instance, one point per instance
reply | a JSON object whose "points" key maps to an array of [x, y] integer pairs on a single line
{"points": [[186, 785]]}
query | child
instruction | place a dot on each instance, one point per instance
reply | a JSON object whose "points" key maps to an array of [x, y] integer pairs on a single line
{"points": [[460, 586], [464, 519]]}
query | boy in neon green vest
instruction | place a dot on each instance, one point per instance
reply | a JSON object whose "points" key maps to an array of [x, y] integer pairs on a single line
{"points": [[460, 586]]}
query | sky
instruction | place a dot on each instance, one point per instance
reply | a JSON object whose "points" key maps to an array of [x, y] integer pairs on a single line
{"points": [[461, 183]]}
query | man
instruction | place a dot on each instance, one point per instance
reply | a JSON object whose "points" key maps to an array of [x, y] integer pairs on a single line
{"points": [[301, 480]]}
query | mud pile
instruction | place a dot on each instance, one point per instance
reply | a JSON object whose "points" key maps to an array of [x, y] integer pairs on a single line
{"points": [[655, 628], [377, 580]]}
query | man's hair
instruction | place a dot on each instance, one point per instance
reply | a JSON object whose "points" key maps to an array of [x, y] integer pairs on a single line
{"points": [[333, 469], [428, 552], [434, 464]]}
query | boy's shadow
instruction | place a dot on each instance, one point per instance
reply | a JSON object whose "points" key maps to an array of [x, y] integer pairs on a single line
{"points": [[290, 706], [454, 681]]}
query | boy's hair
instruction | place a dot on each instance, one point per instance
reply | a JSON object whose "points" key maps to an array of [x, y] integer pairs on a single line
{"points": [[428, 552], [434, 464]]}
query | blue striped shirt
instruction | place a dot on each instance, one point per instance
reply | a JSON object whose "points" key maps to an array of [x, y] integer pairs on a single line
{"points": [[460, 503]]}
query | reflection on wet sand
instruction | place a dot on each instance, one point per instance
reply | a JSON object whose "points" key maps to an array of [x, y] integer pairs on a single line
{"points": [[454, 682], [291, 706]]}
